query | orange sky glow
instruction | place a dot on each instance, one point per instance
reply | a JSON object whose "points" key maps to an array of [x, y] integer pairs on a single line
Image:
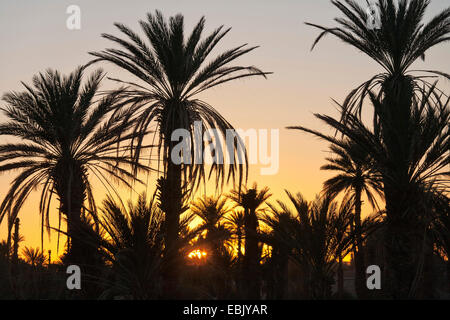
{"points": [[302, 83]]}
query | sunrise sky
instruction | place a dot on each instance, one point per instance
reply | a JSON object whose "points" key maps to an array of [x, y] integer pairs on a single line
{"points": [[34, 37]]}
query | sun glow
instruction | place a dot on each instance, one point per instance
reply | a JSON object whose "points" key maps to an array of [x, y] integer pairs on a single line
{"points": [[197, 254]]}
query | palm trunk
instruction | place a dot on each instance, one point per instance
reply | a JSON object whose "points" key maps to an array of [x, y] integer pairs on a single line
{"points": [[448, 274], [239, 244], [340, 278], [8, 240], [251, 258], [16, 238], [280, 273], [71, 190], [171, 204], [360, 275], [427, 283], [403, 229]]}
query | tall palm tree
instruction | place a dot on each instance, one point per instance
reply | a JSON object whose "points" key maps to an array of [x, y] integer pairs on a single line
{"points": [[251, 200], [172, 72], [426, 173], [356, 176], [401, 39], [65, 136]]}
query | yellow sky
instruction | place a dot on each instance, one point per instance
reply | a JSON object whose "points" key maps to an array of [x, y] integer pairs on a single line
{"points": [[303, 82]]}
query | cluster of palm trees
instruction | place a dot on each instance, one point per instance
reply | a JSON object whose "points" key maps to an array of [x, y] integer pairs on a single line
{"points": [[68, 132], [407, 143]]}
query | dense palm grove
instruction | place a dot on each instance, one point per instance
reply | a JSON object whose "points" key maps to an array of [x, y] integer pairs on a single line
{"points": [[245, 244]]}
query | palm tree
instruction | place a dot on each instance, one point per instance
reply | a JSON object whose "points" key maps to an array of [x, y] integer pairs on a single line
{"points": [[400, 97], [173, 71], [236, 223], [251, 199], [281, 223], [211, 210], [34, 257], [426, 170], [316, 235], [65, 136], [134, 246], [356, 176]]}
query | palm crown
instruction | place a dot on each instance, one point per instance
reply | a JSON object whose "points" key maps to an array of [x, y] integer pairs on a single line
{"points": [[173, 70], [396, 43], [65, 135]]}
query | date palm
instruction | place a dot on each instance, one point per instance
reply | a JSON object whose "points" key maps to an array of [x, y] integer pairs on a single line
{"points": [[236, 223], [427, 172], [281, 223], [64, 136], [34, 257], [134, 245], [316, 235], [211, 210], [400, 39], [251, 200], [355, 177], [172, 71]]}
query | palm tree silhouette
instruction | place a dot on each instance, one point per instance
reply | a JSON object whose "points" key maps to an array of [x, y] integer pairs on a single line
{"points": [[174, 70], [65, 136], [236, 222], [34, 257], [211, 210], [401, 39], [281, 223], [356, 176], [251, 199], [134, 246], [315, 234]]}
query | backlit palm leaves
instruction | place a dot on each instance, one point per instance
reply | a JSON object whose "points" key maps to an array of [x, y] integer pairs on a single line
{"points": [[134, 245], [314, 234], [211, 210], [34, 257], [251, 200], [236, 222]]}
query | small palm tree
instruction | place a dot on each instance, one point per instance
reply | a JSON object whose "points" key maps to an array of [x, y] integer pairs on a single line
{"points": [[316, 235], [173, 71], [65, 136], [236, 222], [280, 223], [34, 257], [211, 211], [134, 246], [356, 176], [251, 200]]}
